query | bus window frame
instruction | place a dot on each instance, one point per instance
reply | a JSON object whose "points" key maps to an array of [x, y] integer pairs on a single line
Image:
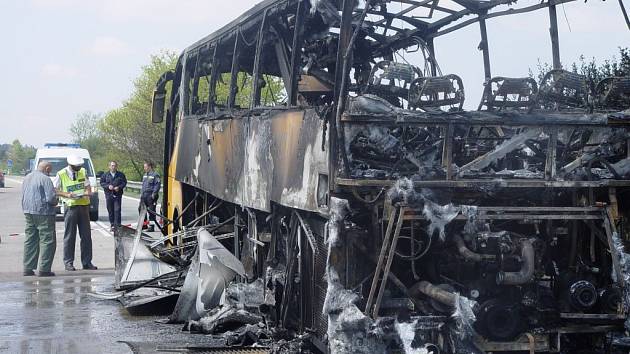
{"points": [[255, 99], [188, 79], [234, 71], [214, 75]]}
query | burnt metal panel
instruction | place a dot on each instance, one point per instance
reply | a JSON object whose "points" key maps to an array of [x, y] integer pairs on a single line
{"points": [[255, 159]]}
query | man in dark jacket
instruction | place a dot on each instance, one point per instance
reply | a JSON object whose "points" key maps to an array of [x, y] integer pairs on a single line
{"points": [[113, 183], [150, 192]]}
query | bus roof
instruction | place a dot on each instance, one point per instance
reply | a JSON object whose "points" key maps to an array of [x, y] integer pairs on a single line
{"points": [[391, 26]]}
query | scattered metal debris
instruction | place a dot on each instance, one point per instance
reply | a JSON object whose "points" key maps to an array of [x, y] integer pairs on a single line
{"points": [[211, 270]]}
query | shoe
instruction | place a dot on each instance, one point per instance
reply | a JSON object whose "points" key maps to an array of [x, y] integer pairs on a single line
{"points": [[70, 268], [90, 267], [28, 273], [46, 274], [111, 229]]}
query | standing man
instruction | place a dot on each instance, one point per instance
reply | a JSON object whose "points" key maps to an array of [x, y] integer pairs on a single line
{"points": [[73, 186], [113, 184], [150, 191], [38, 204]]}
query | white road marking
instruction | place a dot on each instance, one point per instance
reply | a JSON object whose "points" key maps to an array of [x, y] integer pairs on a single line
{"points": [[13, 180], [101, 228], [124, 196], [127, 197], [131, 198]]}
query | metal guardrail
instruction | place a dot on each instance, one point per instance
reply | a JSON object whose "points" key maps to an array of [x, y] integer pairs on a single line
{"points": [[137, 186], [134, 186]]}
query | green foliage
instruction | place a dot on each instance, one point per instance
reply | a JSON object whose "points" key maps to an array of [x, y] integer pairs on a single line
{"points": [[127, 131], [609, 68], [85, 132], [20, 154], [272, 91], [591, 69], [4, 151]]}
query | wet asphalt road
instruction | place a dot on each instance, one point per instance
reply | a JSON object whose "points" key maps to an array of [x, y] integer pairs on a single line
{"points": [[56, 315]]}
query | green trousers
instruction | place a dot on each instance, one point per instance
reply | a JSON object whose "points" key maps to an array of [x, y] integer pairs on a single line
{"points": [[40, 238]]}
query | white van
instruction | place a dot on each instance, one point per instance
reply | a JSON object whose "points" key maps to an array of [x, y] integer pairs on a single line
{"points": [[56, 154]]}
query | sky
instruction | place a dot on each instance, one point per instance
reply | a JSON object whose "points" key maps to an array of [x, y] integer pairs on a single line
{"points": [[64, 57]]}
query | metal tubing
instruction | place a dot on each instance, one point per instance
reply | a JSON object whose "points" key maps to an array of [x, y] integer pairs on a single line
{"points": [[434, 292], [526, 273], [465, 251]]}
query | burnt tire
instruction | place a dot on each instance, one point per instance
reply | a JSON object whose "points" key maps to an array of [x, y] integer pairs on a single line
{"points": [[93, 215]]}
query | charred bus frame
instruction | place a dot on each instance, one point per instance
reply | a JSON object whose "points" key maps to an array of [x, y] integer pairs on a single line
{"points": [[391, 142]]}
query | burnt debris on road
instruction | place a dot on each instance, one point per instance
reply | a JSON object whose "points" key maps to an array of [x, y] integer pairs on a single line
{"points": [[324, 192]]}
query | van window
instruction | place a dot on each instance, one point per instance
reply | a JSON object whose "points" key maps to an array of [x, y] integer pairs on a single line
{"points": [[58, 163]]}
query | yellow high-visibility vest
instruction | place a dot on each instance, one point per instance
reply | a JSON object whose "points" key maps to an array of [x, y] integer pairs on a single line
{"points": [[70, 185]]}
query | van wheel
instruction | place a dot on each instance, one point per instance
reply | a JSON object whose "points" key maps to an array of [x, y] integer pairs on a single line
{"points": [[94, 215]]}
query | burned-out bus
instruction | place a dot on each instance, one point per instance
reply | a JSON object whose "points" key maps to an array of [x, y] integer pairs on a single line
{"points": [[323, 146]]}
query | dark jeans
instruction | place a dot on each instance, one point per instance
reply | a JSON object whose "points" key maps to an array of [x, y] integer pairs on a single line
{"points": [[113, 209], [77, 216], [150, 204]]}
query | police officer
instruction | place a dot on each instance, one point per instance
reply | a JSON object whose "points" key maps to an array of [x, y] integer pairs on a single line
{"points": [[150, 189], [73, 186]]}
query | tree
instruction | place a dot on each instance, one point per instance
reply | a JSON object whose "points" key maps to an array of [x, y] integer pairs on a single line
{"points": [[4, 151], [593, 71], [85, 127], [128, 130], [21, 154], [85, 132], [609, 68]]}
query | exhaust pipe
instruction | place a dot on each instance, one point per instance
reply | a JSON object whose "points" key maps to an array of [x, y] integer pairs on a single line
{"points": [[434, 292], [465, 251], [526, 273]]}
